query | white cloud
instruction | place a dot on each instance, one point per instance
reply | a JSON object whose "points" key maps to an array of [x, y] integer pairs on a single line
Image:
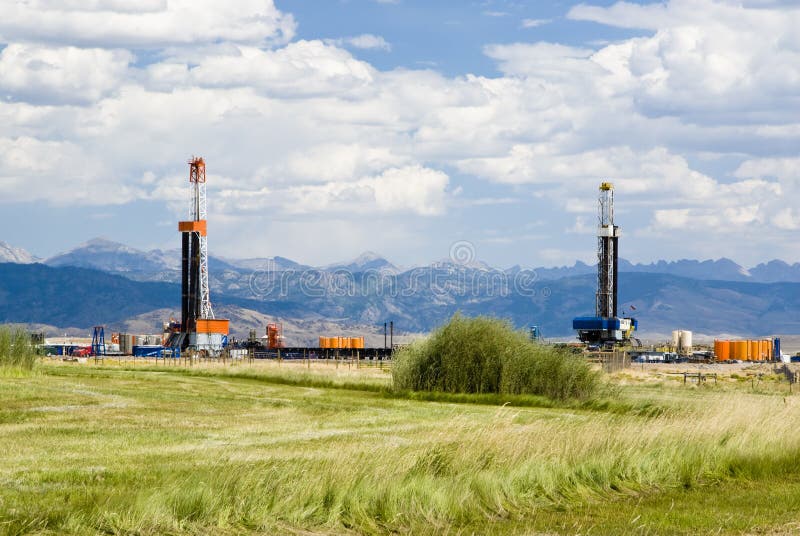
{"points": [[786, 219], [307, 127], [707, 59], [368, 41], [339, 162], [57, 172], [152, 23], [535, 23], [413, 189], [787, 170], [42, 74], [300, 68]]}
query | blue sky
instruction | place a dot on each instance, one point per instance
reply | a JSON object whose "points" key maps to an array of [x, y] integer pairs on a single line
{"points": [[335, 127], [443, 35]]}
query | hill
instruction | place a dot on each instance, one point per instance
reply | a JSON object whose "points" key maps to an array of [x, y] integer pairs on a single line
{"points": [[416, 300]]}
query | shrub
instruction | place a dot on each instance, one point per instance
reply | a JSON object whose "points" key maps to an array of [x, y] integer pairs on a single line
{"points": [[16, 348], [486, 355]]}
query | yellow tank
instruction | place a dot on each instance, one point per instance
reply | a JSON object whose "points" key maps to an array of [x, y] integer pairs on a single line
{"points": [[755, 350], [722, 349], [740, 349]]}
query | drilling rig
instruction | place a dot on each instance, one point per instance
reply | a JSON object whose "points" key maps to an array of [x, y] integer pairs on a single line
{"points": [[606, 328], [199, 329]]}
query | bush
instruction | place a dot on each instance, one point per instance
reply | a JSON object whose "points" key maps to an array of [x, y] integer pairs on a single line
{"points": [[486, 355], [16, 348]]}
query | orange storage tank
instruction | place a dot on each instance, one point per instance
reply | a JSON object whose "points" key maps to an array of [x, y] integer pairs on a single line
{"points": [[755, 350], [768, 342], [739, 350], [322, 342], [334, 342], [722, 350]]}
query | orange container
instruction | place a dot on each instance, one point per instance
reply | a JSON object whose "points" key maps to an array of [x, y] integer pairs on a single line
{"points": [[755, 350], [198, 226], [768, 342], [213, 325], [322, 341], [739, 350], [722, 349]]}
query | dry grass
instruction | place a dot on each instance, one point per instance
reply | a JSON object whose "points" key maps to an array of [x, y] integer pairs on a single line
{"points": [[102, 449]]}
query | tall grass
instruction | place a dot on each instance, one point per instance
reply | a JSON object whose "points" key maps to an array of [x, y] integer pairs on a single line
{"points": [[16, 348], [350, 465], [486, 355]]}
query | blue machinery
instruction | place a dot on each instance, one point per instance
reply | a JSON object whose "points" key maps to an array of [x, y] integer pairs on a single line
{"points": [[606, 328], [98, 341]]}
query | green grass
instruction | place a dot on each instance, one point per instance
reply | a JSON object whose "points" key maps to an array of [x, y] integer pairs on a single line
{"points": [[17, 353], [487, 355], [104, 449]]}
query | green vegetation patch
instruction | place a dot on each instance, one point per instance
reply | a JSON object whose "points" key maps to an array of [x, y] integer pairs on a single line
{"points": [[16, 350], [486, 355]]}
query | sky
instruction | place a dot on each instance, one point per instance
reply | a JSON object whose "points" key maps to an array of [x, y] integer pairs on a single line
{"points": [[332, 127]]}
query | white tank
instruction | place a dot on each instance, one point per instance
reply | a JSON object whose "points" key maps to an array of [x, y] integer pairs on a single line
{"points": [[686, 342], [676, 338]]}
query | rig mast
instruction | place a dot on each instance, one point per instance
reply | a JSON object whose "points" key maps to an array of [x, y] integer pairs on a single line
{"points": [[607, 258], [606, 328], [199, 328]]}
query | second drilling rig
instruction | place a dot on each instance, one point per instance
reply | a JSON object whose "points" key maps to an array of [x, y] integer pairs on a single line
{"points": [[606, 328]]}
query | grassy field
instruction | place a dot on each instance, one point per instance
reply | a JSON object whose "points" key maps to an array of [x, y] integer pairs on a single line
{"points": [[287, 449]]}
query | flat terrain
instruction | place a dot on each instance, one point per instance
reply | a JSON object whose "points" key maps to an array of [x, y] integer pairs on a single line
{"points": [[268, 448]]}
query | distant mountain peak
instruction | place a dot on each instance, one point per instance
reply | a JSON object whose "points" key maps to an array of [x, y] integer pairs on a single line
{"points": [[9, 253], [369, 260], [367, 256], [100, 243]]}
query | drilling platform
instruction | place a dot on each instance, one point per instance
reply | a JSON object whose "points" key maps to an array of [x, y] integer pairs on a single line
{"points": [[199, 329], [606, 328]]}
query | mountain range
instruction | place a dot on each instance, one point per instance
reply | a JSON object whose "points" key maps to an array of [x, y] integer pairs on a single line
{"points": [[164, 265], [109, 283]]}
